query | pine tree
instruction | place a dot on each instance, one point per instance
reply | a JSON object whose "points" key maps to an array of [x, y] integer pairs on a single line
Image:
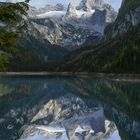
{"points": [[11, 15]]}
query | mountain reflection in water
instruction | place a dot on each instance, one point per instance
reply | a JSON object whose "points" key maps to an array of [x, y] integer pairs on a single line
{"points": [[68, 108]]}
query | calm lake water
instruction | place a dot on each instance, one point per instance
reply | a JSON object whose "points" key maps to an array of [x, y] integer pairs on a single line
{"points": [[85, 108]]}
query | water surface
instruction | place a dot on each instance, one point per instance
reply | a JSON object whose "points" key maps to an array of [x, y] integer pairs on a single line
{"points": [[84, 107]]}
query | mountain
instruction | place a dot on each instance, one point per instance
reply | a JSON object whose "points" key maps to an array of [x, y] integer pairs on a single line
{"points": [[21, 44], [120, 50], [85, 37], [50, 33], [70, 28], [128, 16]]}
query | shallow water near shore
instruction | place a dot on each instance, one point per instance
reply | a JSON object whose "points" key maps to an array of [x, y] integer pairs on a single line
{"points": [[65, 107]]}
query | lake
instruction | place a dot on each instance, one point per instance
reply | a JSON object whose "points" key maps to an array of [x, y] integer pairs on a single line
{"points": [[68, 107]]}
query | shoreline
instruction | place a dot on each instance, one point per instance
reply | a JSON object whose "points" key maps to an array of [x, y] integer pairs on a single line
{"points": [[109, 76]]}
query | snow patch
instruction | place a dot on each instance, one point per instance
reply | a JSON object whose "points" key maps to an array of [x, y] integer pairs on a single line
{"points": [[52, 129], [58, 14], [84, 13], [49, 134], [79, 130]]}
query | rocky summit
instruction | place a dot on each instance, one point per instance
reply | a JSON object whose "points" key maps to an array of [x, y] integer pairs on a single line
{"points": [[70, 27]]}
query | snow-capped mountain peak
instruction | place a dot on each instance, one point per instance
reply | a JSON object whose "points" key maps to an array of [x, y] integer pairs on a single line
{"points": [[71, 27]]}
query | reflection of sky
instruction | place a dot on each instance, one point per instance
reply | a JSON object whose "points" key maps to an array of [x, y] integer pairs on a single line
{"points": [[115, 136], [39, 3]]}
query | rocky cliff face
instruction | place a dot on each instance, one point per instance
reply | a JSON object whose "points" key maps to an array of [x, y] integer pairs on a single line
{"points": [[131, 11], [128, 17]]}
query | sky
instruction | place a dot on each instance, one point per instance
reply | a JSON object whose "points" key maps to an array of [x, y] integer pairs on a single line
{"points": [[40, 3], [115, 3]]}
